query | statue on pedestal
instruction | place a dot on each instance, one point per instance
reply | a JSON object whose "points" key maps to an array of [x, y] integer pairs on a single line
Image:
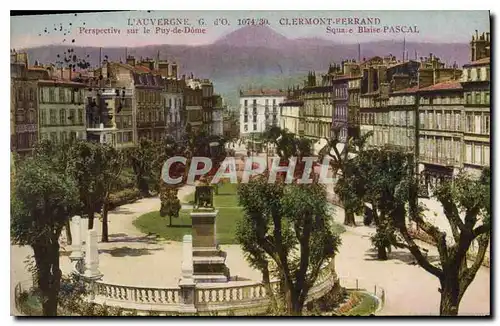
{"points": [[203, 197]]}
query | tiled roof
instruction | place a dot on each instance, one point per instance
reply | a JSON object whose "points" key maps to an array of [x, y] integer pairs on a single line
{"points": [[413, 89], [449, 85], [263, 92], [480, 62]]}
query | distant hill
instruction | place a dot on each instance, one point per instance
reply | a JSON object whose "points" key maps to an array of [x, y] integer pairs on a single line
{"points": [[254, 52]]}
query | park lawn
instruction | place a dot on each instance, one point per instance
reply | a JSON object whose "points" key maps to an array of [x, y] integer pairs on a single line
{"points": [[367, 305], [227, 196], [153, 223]]}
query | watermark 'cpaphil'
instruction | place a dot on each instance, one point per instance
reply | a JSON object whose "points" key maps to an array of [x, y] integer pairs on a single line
{"points": [[253, 166]]}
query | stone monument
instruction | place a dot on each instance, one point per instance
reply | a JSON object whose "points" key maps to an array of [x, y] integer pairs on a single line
{"points": [[208, 260], [92, 257]]}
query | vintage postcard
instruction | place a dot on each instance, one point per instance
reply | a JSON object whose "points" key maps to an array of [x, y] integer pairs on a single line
{"points": [[250, 163]]}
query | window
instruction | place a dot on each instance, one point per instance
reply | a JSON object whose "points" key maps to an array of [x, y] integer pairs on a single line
{"points": [[254, 126], [80, 117], [468, 98], [63, 136], [254, 103], [458, 126], [458, 151], [487, 98], [20, 115], [245, 118], [486, 128], [477, 154], [431, 120], [438, 121], [52, 95], [246, 102], [62, 117], [478, 98], [477, 124], [53, 136], [62, 97], [119, 137], [447, 123], [254, 118], [486, 155], [43, 117], [469, 123], [53, 120], [31, 116]]}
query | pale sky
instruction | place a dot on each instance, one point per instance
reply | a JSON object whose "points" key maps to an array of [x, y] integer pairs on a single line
{"points": [[433, 26]]}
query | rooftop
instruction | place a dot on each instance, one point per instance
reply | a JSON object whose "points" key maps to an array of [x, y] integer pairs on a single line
{"points": [[413, 89], [262, 92], [480, 62], [448, 85]]}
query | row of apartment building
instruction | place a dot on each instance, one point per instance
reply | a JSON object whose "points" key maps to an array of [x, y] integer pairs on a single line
{"points": [[117, 103], [441, 112]]}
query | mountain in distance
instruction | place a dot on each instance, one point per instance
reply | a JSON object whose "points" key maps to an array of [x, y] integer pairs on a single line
{"points": [[259, 53]]}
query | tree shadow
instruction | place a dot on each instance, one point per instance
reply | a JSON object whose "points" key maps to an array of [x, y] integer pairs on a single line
{"points": [[186, 226], [402, 256], [123, 237], [122, 210], [127, 251]]}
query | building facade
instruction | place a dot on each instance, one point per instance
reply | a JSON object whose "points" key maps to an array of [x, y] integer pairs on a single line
{"points": [[259, 110], [218, 116], [193, 99], [476, 99], [318, 109], [291, 109], [62, 107]]}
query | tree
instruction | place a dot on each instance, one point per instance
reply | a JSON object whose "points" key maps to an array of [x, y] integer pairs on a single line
{"points": [[467, 206], [290, 225], [141, 158], [58, 156], [287, 224], [115, 162], [340, 158], [43, 200], [373, 176], [89, 164]]}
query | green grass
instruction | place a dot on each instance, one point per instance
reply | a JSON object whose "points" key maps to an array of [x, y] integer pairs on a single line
{"points": [[227, 196], [226, 224], [367, 306], [229, 215]]}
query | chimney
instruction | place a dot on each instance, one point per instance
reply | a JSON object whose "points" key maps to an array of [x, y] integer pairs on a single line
{"points": [[174, 70], [477, 35], [131, 60], [163, 68]]}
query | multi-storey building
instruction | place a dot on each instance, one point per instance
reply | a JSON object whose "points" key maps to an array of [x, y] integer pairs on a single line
{"points": [[402, 107], [352, 70], [208, 100], [61, 106], [476, 92], [290, 110], [173, 102], [259, 110], [318, 109], [193, 99], [24, 105], [380, 114], [440, 130], [340, 99], [151, 114], [217, 116]]}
